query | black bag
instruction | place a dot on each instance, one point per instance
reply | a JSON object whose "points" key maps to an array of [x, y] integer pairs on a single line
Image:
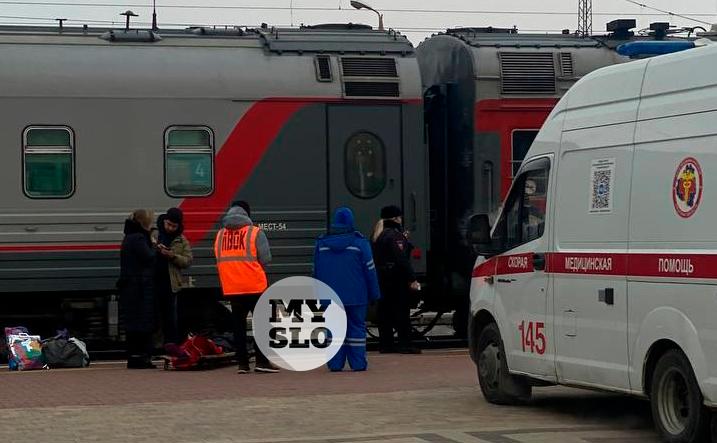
{"points": [[62, 353]]}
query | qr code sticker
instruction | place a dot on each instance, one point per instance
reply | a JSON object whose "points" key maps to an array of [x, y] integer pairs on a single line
{"points": [[601, 185]]}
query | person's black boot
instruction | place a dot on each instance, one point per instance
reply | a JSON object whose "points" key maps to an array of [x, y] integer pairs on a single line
{"points": [[134, 362], [410, 350]]}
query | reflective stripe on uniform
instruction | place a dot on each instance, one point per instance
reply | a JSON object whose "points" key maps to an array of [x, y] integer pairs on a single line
{"points": [[228, 259]]}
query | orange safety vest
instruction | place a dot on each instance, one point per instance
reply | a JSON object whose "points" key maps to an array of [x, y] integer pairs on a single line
{"points": [[238, 263]]}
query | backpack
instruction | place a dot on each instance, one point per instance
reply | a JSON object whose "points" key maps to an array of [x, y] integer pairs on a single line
{"points": [[64, 353]]}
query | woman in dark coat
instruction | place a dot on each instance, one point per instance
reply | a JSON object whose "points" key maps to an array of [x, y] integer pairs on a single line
{"points": [[136, 285]]}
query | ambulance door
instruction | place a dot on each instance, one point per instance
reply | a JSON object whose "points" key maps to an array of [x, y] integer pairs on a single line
{"points": [[364, 160], [521, 283], [589, 264]]}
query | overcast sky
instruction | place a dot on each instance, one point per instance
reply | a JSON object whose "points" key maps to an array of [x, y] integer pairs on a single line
{"points": [[428, 16]]}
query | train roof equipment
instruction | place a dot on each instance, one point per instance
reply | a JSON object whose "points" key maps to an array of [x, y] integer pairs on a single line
{"points": [[324, 38]]}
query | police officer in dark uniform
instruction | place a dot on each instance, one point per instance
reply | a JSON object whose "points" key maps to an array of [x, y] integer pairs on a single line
{"points": [[392, 252]]}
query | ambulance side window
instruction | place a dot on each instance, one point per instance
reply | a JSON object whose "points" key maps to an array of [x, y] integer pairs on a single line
{"points": [[523, 218]]}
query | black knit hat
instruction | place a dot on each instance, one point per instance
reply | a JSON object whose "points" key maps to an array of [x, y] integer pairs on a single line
{"points": [[175, 215], [242, 204], [390, 212]]}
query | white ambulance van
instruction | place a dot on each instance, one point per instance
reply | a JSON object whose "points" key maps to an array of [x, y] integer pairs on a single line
{"points": [[601, 269]]}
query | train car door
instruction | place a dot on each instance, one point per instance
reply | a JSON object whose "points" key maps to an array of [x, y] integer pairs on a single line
{"points": [[364, 160]]}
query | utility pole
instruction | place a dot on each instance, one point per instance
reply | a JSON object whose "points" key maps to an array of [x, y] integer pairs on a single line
{"points": [[585, 18]]}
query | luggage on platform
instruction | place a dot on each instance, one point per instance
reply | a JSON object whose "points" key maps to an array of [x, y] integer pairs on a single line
{"points": [[195, 353], [24, 350], [61, 352]]}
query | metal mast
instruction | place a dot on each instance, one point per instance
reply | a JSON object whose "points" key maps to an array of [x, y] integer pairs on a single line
{"points": [[585, 18]]}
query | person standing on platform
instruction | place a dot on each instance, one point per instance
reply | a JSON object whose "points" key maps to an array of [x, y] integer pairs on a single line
{"points": [[343, 260], [136, 288], [242, 251], [175, 254], [392, 252]]}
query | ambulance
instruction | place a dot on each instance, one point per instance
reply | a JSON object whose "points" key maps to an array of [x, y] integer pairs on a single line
{"points": [[601, 268]]}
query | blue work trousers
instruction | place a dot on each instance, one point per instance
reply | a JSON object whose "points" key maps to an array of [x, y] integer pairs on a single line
{"points": [[354, 347]]}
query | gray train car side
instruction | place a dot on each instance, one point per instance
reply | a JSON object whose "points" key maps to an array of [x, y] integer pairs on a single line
{"points": [[94, 124]]}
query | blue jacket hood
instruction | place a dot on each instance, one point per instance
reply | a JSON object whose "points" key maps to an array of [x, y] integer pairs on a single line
{"points": [[342, 233], [343, 221]]}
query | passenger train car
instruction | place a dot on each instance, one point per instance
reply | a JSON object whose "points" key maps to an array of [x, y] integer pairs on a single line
{"points": [[95, 123]]}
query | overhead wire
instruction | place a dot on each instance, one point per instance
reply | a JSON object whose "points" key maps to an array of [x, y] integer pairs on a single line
{"points": [[673, 14], [326, 9]]}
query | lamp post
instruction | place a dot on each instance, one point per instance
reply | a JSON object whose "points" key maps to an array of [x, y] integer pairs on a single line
{"points": [[360, 5]]}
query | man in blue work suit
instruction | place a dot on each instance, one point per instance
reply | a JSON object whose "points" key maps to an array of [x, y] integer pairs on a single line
{"points": [[343, 260]]}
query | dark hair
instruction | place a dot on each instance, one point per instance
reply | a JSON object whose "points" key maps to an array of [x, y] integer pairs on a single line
{"points": [[242, 204], [175, 215]]}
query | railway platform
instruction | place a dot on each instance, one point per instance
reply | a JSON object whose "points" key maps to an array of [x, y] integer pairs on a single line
{"points": [[431, 397]]}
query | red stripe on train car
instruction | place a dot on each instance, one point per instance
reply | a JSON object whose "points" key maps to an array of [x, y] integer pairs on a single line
{"points": [[58, 248], [241, 153], [237, 158]]}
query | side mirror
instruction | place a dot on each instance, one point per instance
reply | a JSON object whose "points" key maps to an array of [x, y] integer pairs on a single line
{"points": [[479, 230]]}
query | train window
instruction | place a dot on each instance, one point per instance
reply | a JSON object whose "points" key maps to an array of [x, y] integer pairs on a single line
{"points": [[48, 162], [189, 161], [522, 139], [365, 165]]}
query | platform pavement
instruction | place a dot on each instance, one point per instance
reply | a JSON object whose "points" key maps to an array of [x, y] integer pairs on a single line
{"points": [[401, 399]]}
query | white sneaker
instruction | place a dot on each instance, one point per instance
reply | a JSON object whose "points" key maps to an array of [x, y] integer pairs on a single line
{"points": [[268, 368]]}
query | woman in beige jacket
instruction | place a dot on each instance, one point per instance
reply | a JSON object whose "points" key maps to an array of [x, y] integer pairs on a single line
{"points": [[175, 255]]}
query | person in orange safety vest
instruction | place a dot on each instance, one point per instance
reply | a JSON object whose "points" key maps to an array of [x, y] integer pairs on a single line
{"points": [[242, 251]]}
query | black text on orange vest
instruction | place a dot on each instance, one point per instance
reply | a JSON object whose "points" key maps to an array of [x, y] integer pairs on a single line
{"points": [[234, 240]]}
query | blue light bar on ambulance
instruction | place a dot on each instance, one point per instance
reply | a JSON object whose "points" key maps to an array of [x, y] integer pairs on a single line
{"points": [[650, 48]]}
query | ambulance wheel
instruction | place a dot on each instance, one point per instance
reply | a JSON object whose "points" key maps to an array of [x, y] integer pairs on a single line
{"points": [[677, 405], [496, 383]]}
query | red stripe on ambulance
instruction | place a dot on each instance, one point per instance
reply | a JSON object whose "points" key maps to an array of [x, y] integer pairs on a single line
{"points": [[699, 266]]}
